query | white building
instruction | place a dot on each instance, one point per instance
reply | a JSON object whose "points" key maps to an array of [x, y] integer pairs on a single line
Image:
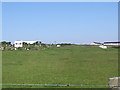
{"points": [[20, 43]]}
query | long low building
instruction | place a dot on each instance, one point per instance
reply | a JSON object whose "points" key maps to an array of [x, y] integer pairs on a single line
{"points": [[105, 43], [111, 43], [20, 43]]}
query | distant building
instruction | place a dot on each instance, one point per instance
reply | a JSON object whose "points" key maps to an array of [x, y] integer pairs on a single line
{"points": [[105, 43], [111, 43], [20, 43]]}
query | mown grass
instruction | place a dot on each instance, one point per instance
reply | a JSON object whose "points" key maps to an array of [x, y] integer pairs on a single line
{"points": [[66, 65]]}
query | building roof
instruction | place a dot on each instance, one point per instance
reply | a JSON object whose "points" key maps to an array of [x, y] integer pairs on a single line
{"points": [[111, 42]]}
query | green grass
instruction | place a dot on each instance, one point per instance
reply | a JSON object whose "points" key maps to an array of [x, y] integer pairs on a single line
{"points": [[66, 65]]}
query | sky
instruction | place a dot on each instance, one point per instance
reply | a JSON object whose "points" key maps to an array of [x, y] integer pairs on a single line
{"points": [[60, 22]]}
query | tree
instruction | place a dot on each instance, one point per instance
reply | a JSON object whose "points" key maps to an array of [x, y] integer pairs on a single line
{"points": [[25, 45], [8, 43], [3, 43], [37, 43]]}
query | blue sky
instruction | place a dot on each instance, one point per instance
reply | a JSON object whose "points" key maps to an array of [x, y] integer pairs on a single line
{"points": [[73, 22]]}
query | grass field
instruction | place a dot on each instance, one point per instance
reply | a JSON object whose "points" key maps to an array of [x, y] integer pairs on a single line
{"points": [[77, 65]]}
